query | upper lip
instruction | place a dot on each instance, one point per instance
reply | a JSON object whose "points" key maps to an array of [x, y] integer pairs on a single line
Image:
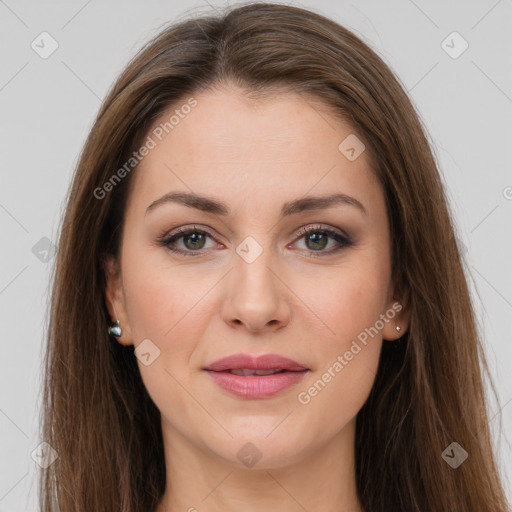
{"points": [[263, 362]]}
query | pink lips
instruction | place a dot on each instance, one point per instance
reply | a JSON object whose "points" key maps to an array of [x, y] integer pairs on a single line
{"points": [[248, 384]]}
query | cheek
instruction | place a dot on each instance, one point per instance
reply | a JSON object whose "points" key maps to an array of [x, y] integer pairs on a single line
{"points": [[159, 295], [167, 304], [164, 306], [349, 305], [150, 303], [346, 300]]}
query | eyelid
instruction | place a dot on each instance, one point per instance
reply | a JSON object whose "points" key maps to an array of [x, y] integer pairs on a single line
{"points": [[343, 240], [172, 236], [301, 231], [307, 228]]}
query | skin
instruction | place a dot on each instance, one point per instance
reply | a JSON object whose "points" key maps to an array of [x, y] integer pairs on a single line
{"points": [[255, 155]]}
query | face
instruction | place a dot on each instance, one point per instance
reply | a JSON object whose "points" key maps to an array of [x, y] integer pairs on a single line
{"points": [[255, 272]]}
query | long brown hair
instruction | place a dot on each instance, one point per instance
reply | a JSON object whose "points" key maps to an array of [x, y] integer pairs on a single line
{"points": [[429, 389]]}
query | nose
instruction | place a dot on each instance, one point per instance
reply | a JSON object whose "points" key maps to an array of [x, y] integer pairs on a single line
{"points": [[255, 296]]}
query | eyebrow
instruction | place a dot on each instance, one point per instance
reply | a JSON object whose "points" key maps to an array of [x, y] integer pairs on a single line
{"points": [[210, 205]]}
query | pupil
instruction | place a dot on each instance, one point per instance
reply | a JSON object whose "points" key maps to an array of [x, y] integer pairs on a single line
{"points": [[314, 238], [195, 236]]}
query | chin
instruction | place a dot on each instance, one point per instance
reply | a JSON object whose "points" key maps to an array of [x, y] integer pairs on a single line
{"points": [[263, 445]]}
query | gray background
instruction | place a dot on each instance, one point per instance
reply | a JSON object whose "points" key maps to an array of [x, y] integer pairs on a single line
{"points": [[48, 105]]}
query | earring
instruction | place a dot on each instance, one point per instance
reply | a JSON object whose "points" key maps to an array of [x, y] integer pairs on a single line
{"points": [[115, 329], [398, 328]]}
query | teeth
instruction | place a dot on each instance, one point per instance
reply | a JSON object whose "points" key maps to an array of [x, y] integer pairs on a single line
{"points": [[250, 373]]}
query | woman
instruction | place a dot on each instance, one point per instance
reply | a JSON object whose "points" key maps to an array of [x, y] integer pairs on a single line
{"points": [[258, 299]]}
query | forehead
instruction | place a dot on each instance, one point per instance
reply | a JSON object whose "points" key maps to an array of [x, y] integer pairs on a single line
{"points": [[254, 152]]}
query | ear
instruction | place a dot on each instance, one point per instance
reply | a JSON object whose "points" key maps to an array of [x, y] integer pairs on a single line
{"points": [[114, 297], [398, 314]]}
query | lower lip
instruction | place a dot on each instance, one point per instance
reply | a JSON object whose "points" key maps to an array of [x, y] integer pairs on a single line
{"points": [[258, 386]]}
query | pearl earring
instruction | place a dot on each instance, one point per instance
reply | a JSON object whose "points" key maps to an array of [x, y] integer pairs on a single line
{"points": [[398, 328], [115, 329]]}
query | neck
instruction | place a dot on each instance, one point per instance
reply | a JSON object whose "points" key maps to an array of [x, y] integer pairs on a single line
{"points": [[322, 479]]}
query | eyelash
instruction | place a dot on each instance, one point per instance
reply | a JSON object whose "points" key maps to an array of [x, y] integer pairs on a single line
{"points": [[343, 240]]}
